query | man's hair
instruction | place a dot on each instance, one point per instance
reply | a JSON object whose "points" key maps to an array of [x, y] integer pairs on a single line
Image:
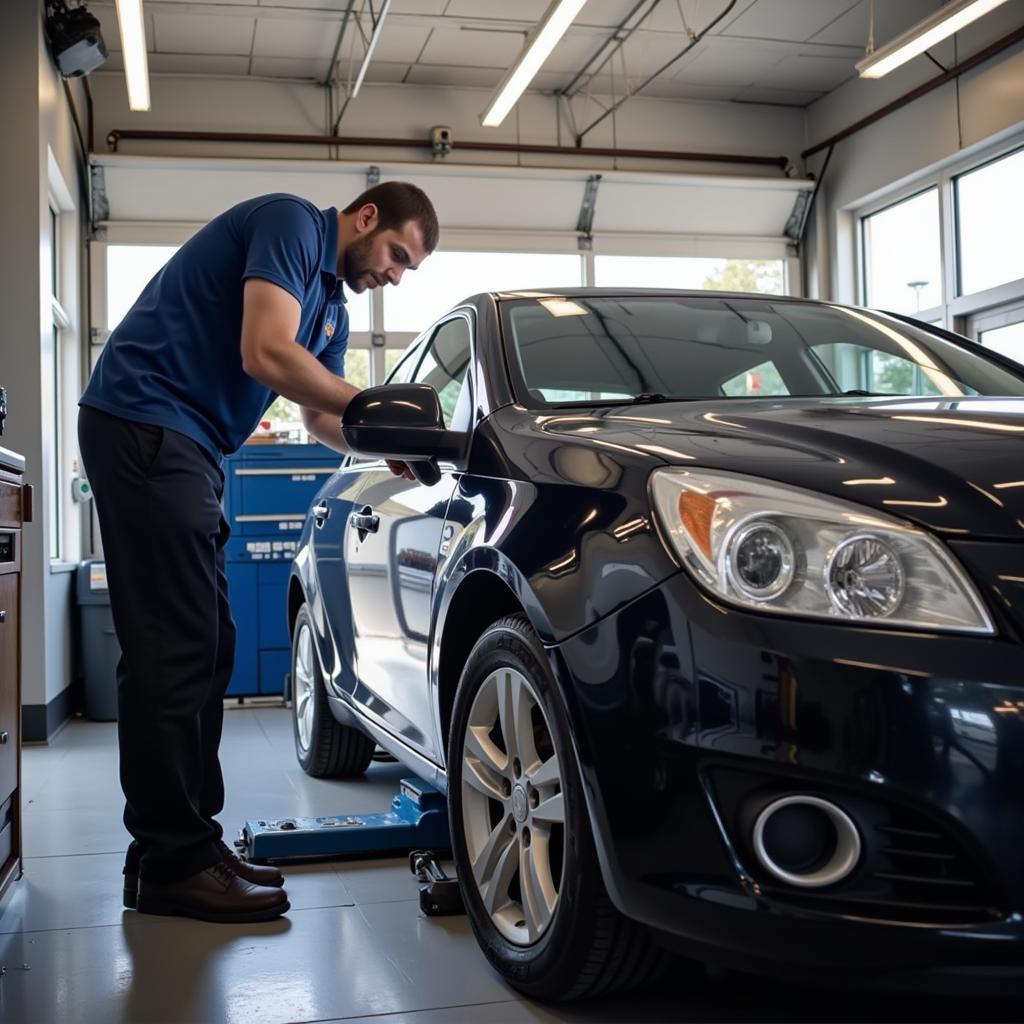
{"points": [[399, 202]]}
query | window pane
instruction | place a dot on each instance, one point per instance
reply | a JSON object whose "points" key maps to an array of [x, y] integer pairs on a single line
{"points": [[448, 277], [358, 311], [57, 499], [285, 414], [392, 357], [129, 269], [689, 272], [1007, 341], [54, 236], [357, 367], [903, 255], [990, 222]]}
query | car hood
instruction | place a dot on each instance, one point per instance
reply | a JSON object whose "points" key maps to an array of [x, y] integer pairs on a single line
{"points": [[955, 466]]}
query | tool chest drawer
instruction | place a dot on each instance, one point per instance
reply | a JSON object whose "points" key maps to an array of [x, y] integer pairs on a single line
{"points": [[268, 491]]}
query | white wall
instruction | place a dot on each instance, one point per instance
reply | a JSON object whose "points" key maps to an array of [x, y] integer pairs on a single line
{"points": [[921, 136], [36, 116]]}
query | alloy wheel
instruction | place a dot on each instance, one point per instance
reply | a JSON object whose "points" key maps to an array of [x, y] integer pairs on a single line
{"points": [[513, 809], [303, 683]]}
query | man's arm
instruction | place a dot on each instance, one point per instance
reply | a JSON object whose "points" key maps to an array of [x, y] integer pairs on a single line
{"points": [[325, 427], [270, 354]]}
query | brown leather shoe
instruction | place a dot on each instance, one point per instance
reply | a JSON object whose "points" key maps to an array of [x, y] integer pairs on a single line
{"points": [[258, 874], [214, 894]]}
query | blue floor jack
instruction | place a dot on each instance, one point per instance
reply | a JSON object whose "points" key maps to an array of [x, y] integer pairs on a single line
{"points": [[416, 823]]}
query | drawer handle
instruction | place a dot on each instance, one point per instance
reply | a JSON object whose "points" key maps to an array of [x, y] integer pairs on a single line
{"points": [[4, 736]]}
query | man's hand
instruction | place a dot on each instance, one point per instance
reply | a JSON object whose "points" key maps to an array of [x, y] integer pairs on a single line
{"points": [[400, 469]]}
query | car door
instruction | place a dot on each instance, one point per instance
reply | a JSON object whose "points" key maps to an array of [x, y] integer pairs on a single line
{"points": [[333, 542], [395, 532]]}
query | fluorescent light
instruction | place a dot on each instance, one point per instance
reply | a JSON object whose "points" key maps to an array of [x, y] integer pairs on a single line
{"points": [[133, 46], [544, 38], [923, 36], [370, 47]]}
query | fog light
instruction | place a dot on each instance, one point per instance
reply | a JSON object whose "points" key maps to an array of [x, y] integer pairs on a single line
{"points": [[865, 577], [806, 841]]}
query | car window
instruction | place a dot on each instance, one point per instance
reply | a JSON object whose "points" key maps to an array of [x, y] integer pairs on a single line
{"points": [[444, 366], [402, 373], [763, 379], [884, 373], [613, 348]]}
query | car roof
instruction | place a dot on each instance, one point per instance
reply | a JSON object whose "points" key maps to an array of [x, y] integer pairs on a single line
{"points": [[580, 291]]}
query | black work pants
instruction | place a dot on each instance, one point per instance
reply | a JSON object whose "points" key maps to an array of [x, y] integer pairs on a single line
{"points": [[158, 497]]}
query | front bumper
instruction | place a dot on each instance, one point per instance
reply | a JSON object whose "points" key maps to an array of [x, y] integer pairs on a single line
{"points": [[689, 715]]}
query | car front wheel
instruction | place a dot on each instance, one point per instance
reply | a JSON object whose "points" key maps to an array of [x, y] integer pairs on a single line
{"points": [[325, 748], [521, 835]]}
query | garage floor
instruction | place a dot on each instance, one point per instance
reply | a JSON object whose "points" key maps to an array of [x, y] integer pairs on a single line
{"points": [[353, 947]]}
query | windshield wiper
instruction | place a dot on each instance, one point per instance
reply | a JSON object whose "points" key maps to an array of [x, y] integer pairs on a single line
{"points": [[859, 393], [655, 396]]}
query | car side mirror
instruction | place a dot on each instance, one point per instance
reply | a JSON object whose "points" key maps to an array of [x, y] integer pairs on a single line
{"points": [[402, 422]]}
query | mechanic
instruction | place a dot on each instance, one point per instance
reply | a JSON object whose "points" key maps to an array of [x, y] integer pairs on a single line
{"points": [[250, 308]]}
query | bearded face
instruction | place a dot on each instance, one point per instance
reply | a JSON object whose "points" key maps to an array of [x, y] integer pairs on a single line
{"points": [[358, 270], [380, 256]]}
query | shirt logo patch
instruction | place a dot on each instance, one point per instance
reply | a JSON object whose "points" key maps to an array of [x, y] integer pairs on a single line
{"points": [[329, 330]]}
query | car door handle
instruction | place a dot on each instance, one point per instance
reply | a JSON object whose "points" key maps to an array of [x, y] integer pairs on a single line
{"points": [[321, 513], [364, 522]]}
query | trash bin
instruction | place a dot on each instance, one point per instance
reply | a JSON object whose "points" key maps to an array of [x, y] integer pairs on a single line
{"points": [[100, 649]]}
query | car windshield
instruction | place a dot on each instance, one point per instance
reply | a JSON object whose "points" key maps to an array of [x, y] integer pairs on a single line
{"points": [[565, 349]]}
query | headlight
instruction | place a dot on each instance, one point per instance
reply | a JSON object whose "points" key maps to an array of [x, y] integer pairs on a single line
{"points": [[781, 549]]}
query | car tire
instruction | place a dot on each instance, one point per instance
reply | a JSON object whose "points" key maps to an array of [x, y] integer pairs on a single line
{"points": [[564, 940], [325, 748]]}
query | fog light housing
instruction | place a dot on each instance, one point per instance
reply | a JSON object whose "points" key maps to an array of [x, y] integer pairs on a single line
{"points": [[806, 841]]}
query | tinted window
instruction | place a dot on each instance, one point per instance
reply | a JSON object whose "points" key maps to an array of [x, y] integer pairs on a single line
{"points": [[444, 367], [402, 373], [593, 349]]}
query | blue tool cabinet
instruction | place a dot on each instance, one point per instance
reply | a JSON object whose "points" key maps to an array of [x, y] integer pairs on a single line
{"points": [[268, 490]]}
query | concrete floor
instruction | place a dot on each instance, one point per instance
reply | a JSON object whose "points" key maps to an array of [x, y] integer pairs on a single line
{"points": [[354, 946]]}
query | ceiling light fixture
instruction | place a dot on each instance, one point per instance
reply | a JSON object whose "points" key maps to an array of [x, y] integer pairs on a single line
{"points": [[541, 41], [950, 18], [133, 46]]}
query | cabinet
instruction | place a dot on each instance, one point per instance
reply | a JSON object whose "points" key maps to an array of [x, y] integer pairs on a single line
{"points": [[15, 510], [268, 491]]}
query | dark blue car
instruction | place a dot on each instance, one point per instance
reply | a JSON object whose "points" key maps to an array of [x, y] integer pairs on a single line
{"points": [[707, 612]]}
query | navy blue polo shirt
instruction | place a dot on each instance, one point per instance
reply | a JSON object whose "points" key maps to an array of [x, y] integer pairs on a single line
{"points": [[175, 360]]}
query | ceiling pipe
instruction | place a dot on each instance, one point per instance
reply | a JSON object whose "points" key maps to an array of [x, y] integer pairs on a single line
{"points": [[270, 138], [980, 57]]}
